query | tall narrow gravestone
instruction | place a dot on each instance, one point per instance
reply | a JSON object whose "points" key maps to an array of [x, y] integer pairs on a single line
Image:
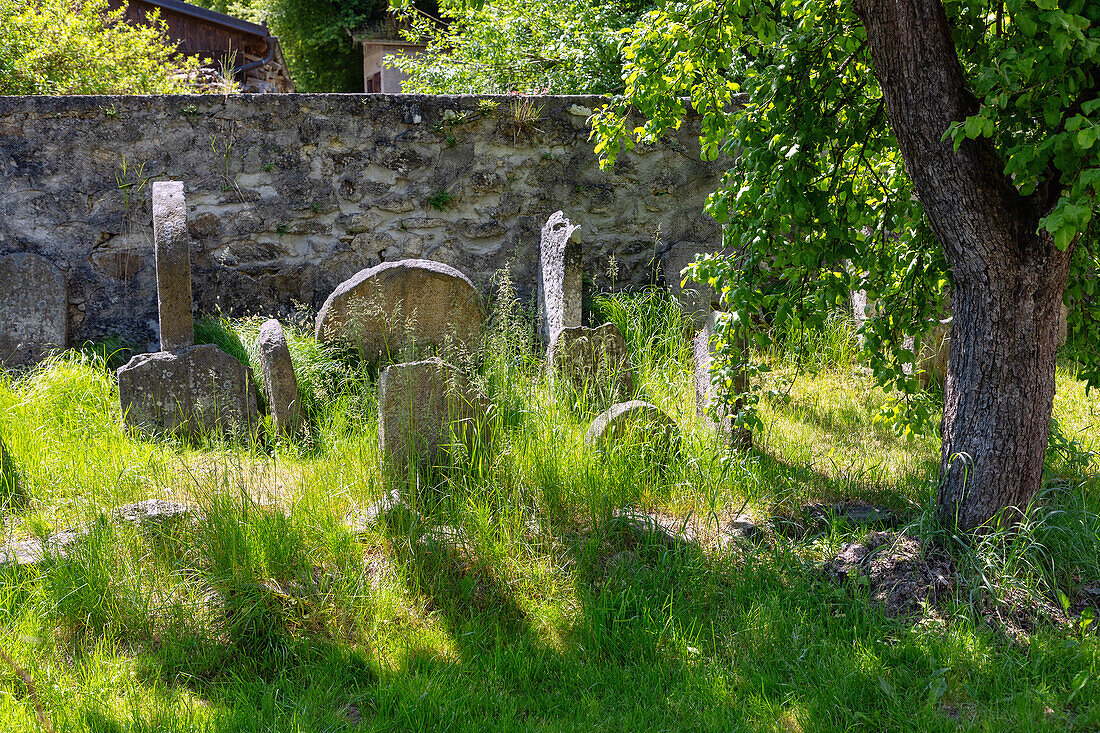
{"points": [[182, 388], [280, 384], [706, 399], [560, 277], [172, 246], [34, 306]]}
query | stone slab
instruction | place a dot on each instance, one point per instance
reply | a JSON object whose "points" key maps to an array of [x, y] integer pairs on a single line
{"points": [[420, 406], [706, 399], [172, 245], [34, 307], [401, 310], [561, 276], [280, 383], [591, 364], [195, 390]]}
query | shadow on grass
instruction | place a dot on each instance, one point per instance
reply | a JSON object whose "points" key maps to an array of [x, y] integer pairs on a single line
{"points": [[661, 635]]}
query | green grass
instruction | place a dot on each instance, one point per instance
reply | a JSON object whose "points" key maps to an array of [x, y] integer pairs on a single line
{"points": [[265, 612]]}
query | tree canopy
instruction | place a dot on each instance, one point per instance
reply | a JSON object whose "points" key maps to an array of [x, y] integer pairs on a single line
{"points": [[67, 47], [822, 201], [504, 46]]}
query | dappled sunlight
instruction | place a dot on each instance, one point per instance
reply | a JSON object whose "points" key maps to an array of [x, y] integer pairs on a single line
{"points": [[555, 583]]}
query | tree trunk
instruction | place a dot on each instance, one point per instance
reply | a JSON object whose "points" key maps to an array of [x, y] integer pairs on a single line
{"points": [[1009, 279]]}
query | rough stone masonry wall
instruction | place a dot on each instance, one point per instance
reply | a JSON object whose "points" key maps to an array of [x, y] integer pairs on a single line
{"points": [[288, 195]]}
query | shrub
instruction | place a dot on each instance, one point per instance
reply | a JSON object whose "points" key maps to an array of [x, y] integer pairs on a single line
{"points": [[82, 47]]}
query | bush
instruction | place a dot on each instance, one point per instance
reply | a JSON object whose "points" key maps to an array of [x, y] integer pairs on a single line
{"points": [[82, 47]]}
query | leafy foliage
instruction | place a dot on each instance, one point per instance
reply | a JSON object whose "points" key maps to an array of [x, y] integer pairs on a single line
{"points": [[519, 46], [70, 47], [819, 202]]}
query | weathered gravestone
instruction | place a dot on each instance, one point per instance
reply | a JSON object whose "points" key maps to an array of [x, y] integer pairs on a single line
{"points": [[930, 361], [280, 384], [183, 388], [707, 404], [398, 309], [194, 390], [560, 277], [697, 299], [590, 364], [34, 306], [421, 405], [172, 247], [639, 420]]}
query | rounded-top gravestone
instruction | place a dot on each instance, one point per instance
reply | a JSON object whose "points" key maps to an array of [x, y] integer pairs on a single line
{"points": [[34, 306], [402, 309], [636, 420]]}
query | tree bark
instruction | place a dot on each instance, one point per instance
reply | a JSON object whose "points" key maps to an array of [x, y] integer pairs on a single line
{"points": [[1009, 279]]}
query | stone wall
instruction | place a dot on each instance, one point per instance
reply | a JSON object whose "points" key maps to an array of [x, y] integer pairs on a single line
{"points": [[288, 195]]}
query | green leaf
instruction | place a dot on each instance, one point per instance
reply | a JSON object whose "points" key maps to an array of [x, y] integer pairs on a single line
{"points": [[1086, 137]]}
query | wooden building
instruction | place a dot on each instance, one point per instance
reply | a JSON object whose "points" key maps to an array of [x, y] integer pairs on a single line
{"points": [[381, 40], [245, 51]]}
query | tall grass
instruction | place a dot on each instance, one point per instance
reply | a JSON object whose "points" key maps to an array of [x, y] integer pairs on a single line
{"points": [[515, 594]]}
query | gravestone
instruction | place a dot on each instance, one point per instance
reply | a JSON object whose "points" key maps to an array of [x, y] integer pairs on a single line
{"points": [[399, 309], [931, 359], [280, 384], [637, 419], [182, 389], [420, 406], [172, 246], [706, 397], [560, 277], [697, 299], [34, 305], [863, 308], [193, 390], [590, 364]]}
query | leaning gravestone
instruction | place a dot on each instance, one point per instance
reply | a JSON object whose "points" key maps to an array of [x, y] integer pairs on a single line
{"points": [[645, 420], [706, 399], [280, 384], [182, 388], [34, 305], [398, 309], [560, 276], [591, 362], [420, 406]]}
